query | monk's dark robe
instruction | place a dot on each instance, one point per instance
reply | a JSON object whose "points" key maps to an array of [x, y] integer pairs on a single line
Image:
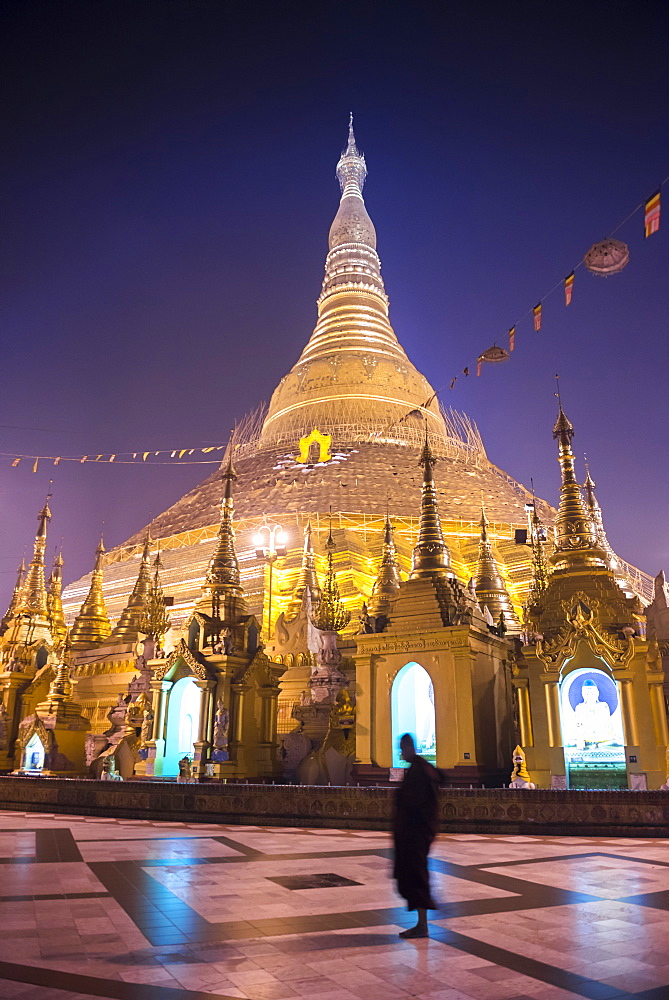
{"points": [[415, 827]]}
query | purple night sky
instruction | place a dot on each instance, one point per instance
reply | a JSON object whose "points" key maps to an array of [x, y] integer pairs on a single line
{"points": [[168, 185]]}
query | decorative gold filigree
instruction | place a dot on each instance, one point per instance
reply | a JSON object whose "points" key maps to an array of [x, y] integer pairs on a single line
{"points": [[583, 624], [180, 652]]}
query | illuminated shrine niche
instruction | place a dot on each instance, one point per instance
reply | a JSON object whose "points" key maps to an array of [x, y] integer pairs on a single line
{"points": [[34, 754], [183, 716], [592, 730], [412, 708]]}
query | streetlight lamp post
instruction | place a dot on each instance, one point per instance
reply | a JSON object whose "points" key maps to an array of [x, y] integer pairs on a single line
{"points": [[276, 546]]}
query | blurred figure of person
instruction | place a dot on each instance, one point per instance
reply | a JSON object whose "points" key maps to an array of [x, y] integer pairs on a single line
{"points": [[415, 827]]}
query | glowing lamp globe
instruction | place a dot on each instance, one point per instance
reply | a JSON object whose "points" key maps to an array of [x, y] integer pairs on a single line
{"points": [[607, 257]]}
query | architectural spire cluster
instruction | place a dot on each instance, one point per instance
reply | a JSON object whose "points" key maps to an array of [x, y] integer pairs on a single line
{"points": [[330, 614], [430, 555]]}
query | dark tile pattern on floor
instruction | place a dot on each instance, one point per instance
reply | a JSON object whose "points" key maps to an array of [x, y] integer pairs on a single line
{"points": [[244, 912], [326, 880]]}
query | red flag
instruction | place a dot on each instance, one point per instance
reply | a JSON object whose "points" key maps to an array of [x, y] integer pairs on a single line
{"points": [[568, 288], [512, 338], [465, 371], [651, 222], [537, 317], [453, 381], [478, 366]]}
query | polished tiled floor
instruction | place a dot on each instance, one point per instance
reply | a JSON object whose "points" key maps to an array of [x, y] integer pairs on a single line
{"points": [[167, 911]]}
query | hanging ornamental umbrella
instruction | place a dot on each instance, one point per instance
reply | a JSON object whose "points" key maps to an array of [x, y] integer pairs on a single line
{"points": [[608, 257], [492, 356]]}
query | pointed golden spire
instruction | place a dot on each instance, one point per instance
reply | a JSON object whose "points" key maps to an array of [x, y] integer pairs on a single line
{"points": [[491, 589], [576, 540], [595, 513], [388, 580], [307, 580], [16, 598], [155, 621], [127, 627], [33, 600], [56, 614], [222, 593], [330, 615], [91, 626], [430, 555]]}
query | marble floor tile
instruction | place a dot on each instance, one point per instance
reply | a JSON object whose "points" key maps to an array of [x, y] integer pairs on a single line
{"points": [[196, 910]]}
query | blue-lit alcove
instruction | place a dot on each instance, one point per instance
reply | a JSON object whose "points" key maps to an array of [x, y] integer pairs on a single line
{"points": [[182, 723], [412, 711]]}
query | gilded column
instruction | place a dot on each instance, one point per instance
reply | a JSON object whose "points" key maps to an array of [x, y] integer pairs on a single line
{"points": [[524, 714], [659, 713], [553, 713], [629, 713]]}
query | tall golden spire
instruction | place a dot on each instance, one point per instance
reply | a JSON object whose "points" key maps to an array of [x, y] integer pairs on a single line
{"points": [[330, 615], [56, 614], [307, 581], [222, 593], [388, 579], [491, 589], [576, 539], [91, 626], [33, 599], [430, 555], [353, 378], [16, 598], [127, 627]]}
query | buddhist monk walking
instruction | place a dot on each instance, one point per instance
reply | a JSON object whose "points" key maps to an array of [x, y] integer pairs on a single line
{"points": [[415, 827]]}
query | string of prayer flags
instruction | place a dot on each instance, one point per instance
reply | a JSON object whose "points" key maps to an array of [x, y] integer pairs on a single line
{"points": [[512, 338], [651, 221], [568, 288], [536, 312]]}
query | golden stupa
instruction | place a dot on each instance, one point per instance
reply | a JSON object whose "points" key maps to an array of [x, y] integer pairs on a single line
{"points": [[343, 433]]}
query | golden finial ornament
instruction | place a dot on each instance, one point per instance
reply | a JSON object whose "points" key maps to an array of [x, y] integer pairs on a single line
{"points": [[576, 540], [16, 598], [307, 580], [489, 583], [33, 599], [92, 627], [222, 593], [330, 614], [55, 602], [387, 583], [127, 627], [155, 621], [430, 555]]}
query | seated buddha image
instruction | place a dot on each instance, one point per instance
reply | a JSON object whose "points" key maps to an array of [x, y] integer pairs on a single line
{"points": [[592, 719]]}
